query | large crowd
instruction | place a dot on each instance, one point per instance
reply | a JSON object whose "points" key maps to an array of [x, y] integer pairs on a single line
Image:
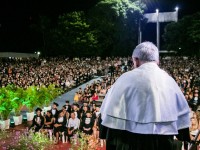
{"points": [[63, 72], [83, 114]]}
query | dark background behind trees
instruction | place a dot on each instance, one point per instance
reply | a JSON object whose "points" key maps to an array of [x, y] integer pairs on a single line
{"points": [[90, 27], [184, 36], [109, 28]]}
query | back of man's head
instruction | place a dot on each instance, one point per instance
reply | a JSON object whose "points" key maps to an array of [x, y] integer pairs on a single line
{"points": [[146, 52]]}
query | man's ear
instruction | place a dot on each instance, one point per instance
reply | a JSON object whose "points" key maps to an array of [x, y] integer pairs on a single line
{"points": [[158, 62], [137, 62]]}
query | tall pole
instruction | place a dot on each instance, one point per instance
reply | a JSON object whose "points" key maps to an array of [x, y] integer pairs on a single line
{"points": [[158, 30], [176, 9], [139, 32], [139, 27]]}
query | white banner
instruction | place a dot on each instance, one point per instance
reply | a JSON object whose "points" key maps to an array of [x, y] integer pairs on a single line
{"points": [[162, 17]]}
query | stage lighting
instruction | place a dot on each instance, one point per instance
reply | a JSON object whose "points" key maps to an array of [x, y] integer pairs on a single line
{"points": [[176, 8]]}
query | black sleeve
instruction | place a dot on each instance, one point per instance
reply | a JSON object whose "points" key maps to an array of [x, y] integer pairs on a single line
{"points": [[82, 123], [92, 122], [94, 116], [33, 123], [57, 113], [64, 122], [79, 114], [69, 109], [102, 129], [42, 120], [56, 121], [183, 135], [103, 132]]}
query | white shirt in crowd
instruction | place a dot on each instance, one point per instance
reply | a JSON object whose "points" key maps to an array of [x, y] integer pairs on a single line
{"points": [[146, 100], [74, 123]]}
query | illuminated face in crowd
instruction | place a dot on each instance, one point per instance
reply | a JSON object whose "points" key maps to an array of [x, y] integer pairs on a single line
{"points": [[72, 115], [75, 107], [85, 108], [61, 114], [54, 106], [48, 114], [88, 115], [97, 109], [38, 113]]}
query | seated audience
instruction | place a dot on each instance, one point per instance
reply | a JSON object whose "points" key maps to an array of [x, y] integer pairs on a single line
{"points": [[54, 110], [59, 126], [38, 121], [73, 126], [48, 120], [87, 124], [68, 107]]}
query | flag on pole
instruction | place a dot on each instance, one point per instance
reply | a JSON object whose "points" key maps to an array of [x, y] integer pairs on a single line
{"points": [[162, 17]]}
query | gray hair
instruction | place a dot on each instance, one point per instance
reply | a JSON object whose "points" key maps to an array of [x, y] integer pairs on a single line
{"points": [[146, 51]]}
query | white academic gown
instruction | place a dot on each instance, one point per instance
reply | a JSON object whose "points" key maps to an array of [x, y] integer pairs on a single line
{"points": [[146, 100]]}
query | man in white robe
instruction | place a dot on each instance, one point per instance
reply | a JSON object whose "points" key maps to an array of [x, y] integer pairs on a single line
{"points": [[144, 108]]}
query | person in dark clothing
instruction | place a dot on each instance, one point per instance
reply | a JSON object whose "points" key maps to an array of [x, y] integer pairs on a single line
{"points": [[87, 124], [59, 126], [66, 113], [38, 121], [85, 104], [76, 110], [96, 112], [68, 107], [55, 111], [84, 112], [96, 117], [48, 120], [48, 124]]}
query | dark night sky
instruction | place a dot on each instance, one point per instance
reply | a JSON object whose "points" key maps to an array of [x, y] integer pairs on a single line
{"points": [[17, 15]]}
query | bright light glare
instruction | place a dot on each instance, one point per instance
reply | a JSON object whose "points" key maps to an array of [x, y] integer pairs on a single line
{"points": [[38, 53], [176, 8], [157, 10]]}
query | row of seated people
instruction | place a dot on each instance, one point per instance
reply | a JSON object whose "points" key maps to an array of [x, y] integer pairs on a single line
{"points": [[66, 122]]}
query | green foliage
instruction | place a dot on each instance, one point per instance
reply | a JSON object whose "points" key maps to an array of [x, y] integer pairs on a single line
{"points": [[108, 28], [53, 91], [13, 98], [18, 101], [40, 96], [4, 134], [7, 95], [116, 22], [34, 141], [84, 142], [31, 98], [181, 35], [74, 36], [194, 32], [47, 94]]}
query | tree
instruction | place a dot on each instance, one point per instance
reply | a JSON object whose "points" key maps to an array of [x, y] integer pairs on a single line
{"points": [[74, 35], [116, 22], [184, 36], [109, 28], [194, 32]]}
